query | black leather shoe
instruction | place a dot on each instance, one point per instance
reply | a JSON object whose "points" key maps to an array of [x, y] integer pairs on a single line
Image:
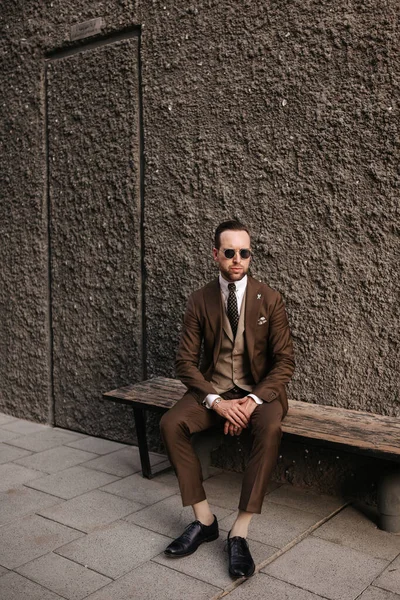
{"points": [[195, 534], [241, 563]]}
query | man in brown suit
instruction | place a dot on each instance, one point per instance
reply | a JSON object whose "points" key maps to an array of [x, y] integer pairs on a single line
{"points": [[247, 362]]}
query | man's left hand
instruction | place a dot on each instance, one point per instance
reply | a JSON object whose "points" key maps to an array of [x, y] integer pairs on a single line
{"points": [[249, 405]]}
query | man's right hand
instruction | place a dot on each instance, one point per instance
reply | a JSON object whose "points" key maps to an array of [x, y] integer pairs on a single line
{"points": [[232, 411]]}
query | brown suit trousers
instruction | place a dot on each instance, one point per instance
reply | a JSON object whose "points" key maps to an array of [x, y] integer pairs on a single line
{"points": [[188, 417]]}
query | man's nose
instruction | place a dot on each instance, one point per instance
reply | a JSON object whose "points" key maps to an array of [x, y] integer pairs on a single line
{"points": [[237, 258]]}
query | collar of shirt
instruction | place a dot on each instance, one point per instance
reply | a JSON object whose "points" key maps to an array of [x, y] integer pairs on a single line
{"points": [[240, 290]]}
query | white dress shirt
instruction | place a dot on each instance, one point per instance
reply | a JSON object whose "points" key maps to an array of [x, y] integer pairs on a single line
{"points": [[240, 292]]}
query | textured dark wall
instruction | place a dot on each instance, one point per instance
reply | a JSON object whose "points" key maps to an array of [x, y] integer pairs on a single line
{"points": [[284, 115], [94, 162], [24, 331]]}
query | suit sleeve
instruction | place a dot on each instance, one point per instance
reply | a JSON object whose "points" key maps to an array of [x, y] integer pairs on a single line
{"points": [[281, 355], [188, 356]]}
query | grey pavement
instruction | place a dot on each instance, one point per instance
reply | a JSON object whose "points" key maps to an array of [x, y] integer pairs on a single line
{"points": [[78, 520]]}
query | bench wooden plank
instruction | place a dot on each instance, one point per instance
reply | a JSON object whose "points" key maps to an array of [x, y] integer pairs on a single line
{"points": [[358, 429], [361, 430], [160, 393]]}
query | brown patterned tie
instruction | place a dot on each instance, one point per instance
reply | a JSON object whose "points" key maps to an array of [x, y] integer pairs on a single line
{"points": [[232, 311]]}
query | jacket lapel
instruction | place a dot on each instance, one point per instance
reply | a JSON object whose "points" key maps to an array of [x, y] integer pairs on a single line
{"points": [[252, 310], [226, 326]]}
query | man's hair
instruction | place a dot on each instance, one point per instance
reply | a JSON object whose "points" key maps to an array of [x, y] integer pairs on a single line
{"points": [[228, 226]]}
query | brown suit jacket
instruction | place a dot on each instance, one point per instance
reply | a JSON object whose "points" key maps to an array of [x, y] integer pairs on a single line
{"points": [[268, 340]]}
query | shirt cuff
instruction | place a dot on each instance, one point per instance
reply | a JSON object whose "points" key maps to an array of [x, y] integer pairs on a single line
{"points": [[256, 399], [209, 400]]}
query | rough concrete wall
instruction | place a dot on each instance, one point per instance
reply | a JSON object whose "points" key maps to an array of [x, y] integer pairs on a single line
{"points": [[94, 180], [24, 335], [284, 115]]}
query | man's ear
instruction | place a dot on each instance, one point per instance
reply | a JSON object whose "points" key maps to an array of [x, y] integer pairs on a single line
{"points": [[215, 253]]}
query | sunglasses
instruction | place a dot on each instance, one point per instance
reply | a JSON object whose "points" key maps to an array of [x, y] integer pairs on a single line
{"points": [[230, 253]]}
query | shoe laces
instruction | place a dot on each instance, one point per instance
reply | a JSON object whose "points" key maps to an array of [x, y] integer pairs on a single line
{"points": [[241, 545], [188, 530]]}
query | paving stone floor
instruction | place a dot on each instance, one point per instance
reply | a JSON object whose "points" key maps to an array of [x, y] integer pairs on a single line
{"points": [[77, 520]]}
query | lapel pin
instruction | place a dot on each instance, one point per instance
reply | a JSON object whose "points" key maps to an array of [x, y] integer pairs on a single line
{"points": [[258, 296]]}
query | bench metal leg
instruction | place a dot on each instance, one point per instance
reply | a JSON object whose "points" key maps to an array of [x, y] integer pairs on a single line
{"points": [[389, 502], [140, 423]]}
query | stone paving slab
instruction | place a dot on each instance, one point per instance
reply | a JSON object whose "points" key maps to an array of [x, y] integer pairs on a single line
{"points": [[353, 529], [210, 562], [91, 511], [3, 571], [390, 578], [78, 435], [152, 581], [7, 435], [9, 453], [15, 587], [374, 593], [64, 577], [21, 500], [25, 427], [97, 445], [346, 558], [12, 475], [31, 537], [327, 569], [160, 467], [169, 517], [168, 478], [306, 500], [71, 482], [56, 459], [6, 419], [116, 549], [277, 525], [138, 488], [43, 440], [122, 462], [264, 587]]}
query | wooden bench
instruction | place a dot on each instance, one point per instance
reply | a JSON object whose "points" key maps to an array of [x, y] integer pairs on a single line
{"points": [[351, 430]]}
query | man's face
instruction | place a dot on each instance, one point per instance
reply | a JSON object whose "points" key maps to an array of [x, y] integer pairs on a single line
{"points": [[232, 269]]}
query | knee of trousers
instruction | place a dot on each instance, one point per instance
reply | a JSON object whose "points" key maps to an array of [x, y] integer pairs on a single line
{"points": [[268, 433], [171, 427]]}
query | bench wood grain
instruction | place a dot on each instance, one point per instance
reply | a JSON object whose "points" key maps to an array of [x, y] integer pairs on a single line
{"points": [[360, 431]]}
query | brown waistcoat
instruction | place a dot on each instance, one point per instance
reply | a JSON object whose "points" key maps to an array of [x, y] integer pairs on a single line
{"points": [[233, 365]]}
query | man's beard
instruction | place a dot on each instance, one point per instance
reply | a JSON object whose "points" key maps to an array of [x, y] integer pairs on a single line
{"points": [[229, 276]]}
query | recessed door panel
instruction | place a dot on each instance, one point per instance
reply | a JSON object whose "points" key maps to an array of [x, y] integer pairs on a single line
{"points": [[95, 213]]}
